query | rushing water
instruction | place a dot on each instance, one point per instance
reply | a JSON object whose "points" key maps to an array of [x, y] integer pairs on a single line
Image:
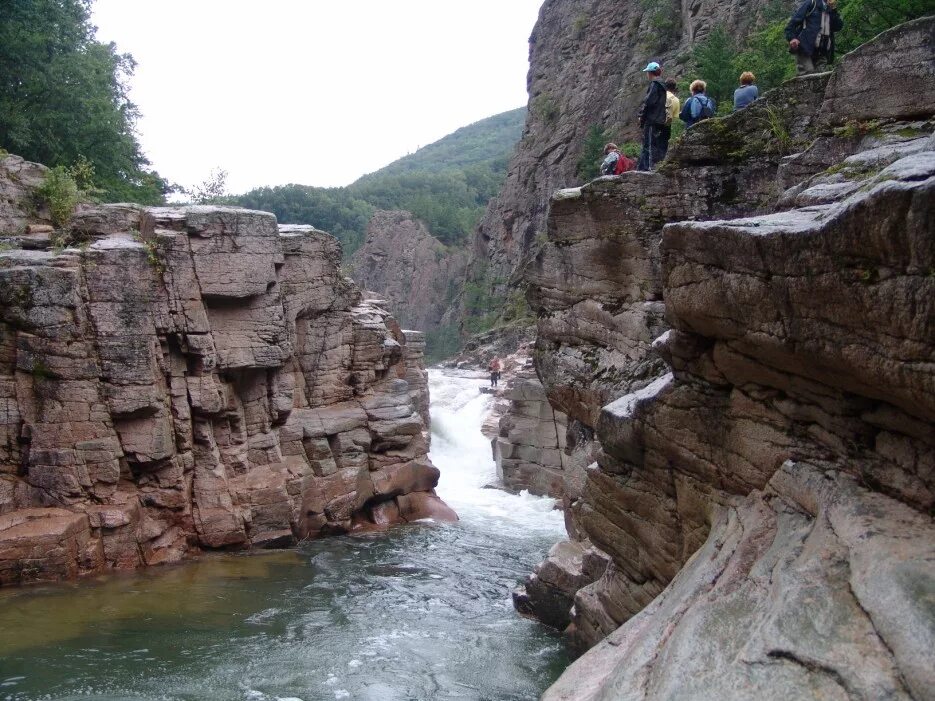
{"points": [[421, 612]]}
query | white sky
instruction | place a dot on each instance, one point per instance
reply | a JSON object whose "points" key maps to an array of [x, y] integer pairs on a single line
{"points": [[316, 92]]}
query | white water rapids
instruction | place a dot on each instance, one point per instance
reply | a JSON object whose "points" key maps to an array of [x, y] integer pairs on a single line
{"points": [[464, 457]]}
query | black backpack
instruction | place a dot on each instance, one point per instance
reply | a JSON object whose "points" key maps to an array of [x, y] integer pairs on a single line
{"points": [[707, 107]]}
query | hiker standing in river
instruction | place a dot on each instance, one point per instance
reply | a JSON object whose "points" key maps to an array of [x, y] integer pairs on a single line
{"points": [[652, 118], [810, 33], [495, 368]]}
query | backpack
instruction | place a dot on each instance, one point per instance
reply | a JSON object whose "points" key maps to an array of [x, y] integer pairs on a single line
{"points": [[707, 107], [623, 164]]}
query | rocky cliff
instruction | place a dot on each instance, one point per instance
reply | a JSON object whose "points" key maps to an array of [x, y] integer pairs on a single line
{"points": [[414, 272], [197, 378], [750, 334], [585, 58]]}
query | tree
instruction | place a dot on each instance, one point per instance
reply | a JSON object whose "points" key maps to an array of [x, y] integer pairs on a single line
{"points": [[212, 189], [713, 60], [592, 153], [63, 97]]}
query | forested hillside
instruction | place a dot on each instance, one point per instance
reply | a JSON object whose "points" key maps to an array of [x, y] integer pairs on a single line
{"points": [[446, 184]]}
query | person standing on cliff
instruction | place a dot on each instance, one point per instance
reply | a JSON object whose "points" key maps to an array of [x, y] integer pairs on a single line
{"points": [[810, 33], [672, 112], [495, 368], [652, 118]]}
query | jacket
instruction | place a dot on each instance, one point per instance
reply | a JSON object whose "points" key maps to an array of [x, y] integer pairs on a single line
{"points": [[610, 163], [691, 110], [744, 95], [672, 107], [805, 25], [653, 110]]}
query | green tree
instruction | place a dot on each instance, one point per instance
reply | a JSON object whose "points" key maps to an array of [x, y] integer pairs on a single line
{"points": [[63, 97], [212, 190], [713, 60], [592, 153]]}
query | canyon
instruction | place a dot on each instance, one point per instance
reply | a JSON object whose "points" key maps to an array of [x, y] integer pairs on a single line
{"points": [[177, 380], [750, 334]]}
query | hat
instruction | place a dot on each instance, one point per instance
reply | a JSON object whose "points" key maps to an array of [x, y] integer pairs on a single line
{"points": [[652, 67]]}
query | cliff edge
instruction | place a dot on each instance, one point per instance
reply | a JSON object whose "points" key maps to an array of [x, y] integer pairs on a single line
{"points": [[750, 333]]}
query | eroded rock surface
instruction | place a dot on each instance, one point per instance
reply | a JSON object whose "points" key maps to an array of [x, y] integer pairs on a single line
{"points": [[750, 334], [198, 378]]}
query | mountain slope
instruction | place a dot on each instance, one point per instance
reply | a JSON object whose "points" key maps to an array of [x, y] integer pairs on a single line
{"points": [[446, 184]]}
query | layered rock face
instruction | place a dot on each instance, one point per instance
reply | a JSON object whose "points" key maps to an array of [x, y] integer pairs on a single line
{"points": [[585, 58], [750, 333], [531, 448], [19, 179], [198, 378], [414, 272]]}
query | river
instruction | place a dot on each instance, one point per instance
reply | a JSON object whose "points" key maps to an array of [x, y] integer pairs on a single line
{"points": [[420, 612]]}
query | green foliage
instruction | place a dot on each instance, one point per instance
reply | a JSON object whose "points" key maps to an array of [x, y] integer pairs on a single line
{"points": [[664, 22], [579, 25], [441, 343], [212, 190], [719, 59], [545, 108], [515, 307], [713, 60], [630, 149], [482, 304], [776, 124], [59, 193], [592, 153], [63, 97], [446, 184], [864, 19]]}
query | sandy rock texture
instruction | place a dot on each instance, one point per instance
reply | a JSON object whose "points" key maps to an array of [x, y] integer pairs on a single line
{"points": [[415, 273], [750, 334], [195, 378]]}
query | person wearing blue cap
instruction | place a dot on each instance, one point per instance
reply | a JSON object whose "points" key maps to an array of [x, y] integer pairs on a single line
{"points": [[652, 118]]}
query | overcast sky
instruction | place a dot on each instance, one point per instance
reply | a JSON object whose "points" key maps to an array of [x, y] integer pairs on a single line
{"points": [[316, 92]]}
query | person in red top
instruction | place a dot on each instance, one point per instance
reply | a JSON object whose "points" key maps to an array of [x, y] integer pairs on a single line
{"points": [[495, 368]]}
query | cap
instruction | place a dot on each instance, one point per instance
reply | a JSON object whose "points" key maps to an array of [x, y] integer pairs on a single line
{"points": [[652, 66]]}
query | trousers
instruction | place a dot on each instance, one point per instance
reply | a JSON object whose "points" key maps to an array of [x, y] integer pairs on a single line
{"points": [[651, 151]]}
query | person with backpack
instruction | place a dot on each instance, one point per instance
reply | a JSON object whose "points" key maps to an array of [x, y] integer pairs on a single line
{"points": [[672, 111], [699, 106], [615, 163], [652, 118], [747, 92], [810, 33]]}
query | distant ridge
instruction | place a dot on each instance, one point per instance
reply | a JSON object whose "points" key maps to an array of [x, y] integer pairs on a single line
{"points": [[490, 139]]}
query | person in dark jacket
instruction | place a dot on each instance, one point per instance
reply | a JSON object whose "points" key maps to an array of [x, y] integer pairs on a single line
{"points": [[810, 33], [652, 118]]}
